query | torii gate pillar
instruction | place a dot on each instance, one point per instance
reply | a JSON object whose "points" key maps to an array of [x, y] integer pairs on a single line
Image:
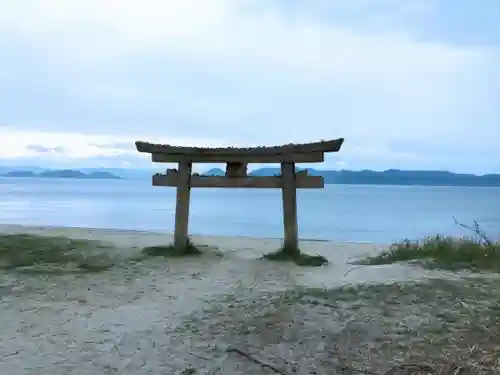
{"points": [[182, 205], [289, 194]]}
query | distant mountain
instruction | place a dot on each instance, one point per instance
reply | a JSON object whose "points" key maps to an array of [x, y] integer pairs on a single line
{"points": [[4, 169], [266, 172], [398, 177], [125, 173], [66, 173], [214, 172], [20, 174], [388, 177], [364, 177], [103, 175]]}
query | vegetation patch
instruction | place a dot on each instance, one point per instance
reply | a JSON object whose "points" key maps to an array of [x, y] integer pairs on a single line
{"points": [[296, 256], [171, 251], [44, 254], [442, 252]]}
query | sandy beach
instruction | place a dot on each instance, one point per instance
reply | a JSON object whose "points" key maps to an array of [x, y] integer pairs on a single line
{"points": [[170, 316]]}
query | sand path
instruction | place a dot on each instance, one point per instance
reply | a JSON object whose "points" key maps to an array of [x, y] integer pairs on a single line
{"points": [[139, 319]]}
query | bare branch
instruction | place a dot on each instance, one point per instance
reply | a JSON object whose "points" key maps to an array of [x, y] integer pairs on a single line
{"points": [[355, 268], [254, 360], [476, 229]]}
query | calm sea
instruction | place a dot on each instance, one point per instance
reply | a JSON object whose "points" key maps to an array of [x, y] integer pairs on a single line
{"points": [[339, 212]]}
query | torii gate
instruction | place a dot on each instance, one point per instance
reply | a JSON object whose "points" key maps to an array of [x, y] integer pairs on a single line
{"points": [[236, 160]]}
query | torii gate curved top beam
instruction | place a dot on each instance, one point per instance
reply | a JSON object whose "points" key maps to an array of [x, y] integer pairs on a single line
{"points": [[297, 153]]}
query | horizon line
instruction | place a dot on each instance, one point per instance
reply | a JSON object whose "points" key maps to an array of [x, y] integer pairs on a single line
{"points": [[155, 167]]}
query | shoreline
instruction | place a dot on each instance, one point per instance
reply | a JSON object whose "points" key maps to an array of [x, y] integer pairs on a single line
{"points": [[19, 228], [237, 252], [350, 184]]}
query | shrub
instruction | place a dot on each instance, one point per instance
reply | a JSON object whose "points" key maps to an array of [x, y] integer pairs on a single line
{"points": [[443, 252]]}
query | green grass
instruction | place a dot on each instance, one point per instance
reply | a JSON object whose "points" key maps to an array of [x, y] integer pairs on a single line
{"points": [[297, 257], [44, 254], [442, 252], [171, 251]]}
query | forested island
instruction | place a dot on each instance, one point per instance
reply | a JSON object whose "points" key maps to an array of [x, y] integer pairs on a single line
{"points": [[388, 177], [364, 177]]}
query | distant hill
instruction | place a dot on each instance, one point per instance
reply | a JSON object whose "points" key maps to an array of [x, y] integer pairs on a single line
{"points": [[388, 177], [20, 174], [267, 172], [66, 173], [398, 177], [127, 173], [364, 177], [215, 172], [124, 173], [102, 175]]}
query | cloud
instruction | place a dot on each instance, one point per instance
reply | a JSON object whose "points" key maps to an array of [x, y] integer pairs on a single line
{"points": [[125, 146], [249, 72], [61, 147], [223, 32], [39, 149]]}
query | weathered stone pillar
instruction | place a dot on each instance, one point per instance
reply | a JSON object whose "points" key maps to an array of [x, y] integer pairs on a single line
{"points": [[289, 193], [182, 205]]}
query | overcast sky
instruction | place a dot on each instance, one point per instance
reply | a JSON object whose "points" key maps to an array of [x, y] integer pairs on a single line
{"points": [[411, 84]]}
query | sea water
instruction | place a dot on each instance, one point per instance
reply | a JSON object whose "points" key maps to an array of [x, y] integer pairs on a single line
{"points": [[363, 213]]}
